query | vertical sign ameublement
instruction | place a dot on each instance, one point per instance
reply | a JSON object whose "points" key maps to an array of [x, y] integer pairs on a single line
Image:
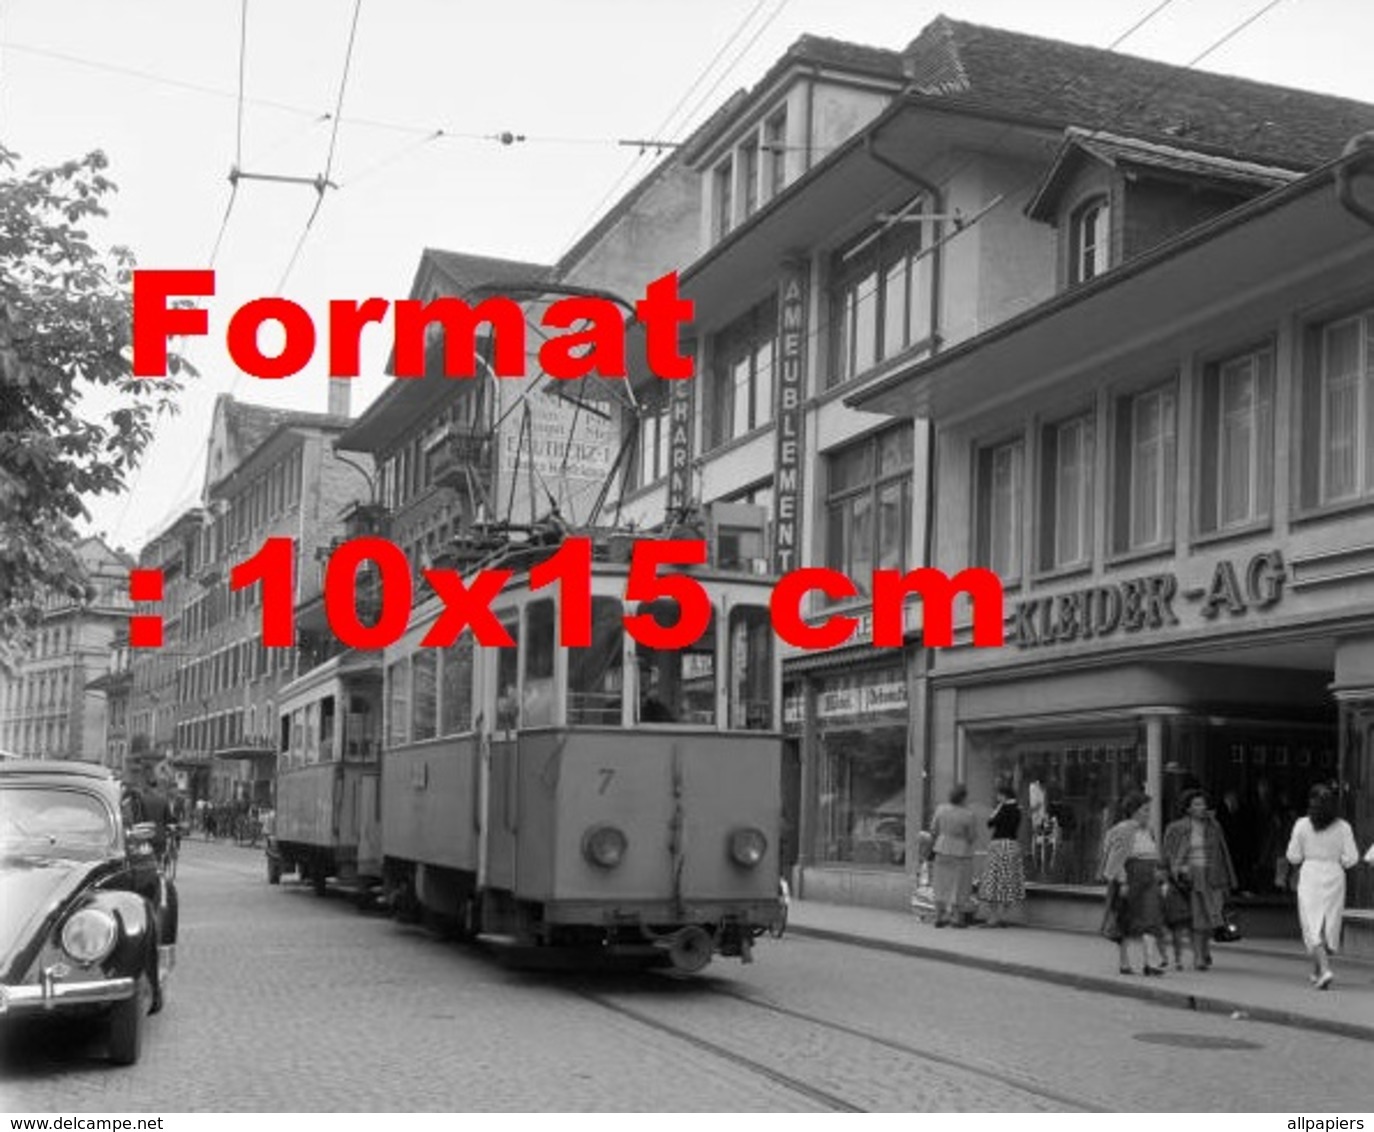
{"points": [[787, 489], [679, 445]]}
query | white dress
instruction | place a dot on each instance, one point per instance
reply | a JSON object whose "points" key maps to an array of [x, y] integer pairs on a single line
{"points": [[1324, 857]]}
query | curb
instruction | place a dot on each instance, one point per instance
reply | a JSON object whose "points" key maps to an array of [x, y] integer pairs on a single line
{"points": [[1160, 995]]}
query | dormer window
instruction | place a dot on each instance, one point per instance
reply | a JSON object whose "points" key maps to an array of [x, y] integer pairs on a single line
{"points": [[749, 176], [725, 197], [1089, 240]]}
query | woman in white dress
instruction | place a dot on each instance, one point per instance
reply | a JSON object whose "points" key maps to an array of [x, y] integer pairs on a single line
{"points": [[1324, 845]]}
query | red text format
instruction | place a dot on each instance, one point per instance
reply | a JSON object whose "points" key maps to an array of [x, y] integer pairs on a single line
{"points": [[377, 614], [595, 346]]}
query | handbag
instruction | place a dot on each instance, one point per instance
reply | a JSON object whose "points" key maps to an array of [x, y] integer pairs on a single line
{"points": [[1228, 931]]}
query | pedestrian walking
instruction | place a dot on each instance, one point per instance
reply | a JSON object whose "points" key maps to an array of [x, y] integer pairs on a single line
{"points": [[955, 831], [1201, 876], [1131, 867], [1322, 847], [1003, 887]]}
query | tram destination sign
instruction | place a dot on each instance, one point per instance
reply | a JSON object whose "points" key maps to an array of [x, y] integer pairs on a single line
{"points": [[1147, 602]]}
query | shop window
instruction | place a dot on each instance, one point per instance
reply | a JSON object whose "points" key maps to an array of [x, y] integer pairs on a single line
{"points": [[880, 297], [456, 701], [676, 685], [1066, 493], [1237, 443], [1001, 488], [861, 773], [1146, 470], [596, 674], [538, 705], [1089, 240], [868, 506], [1069, 790], [1338, 411], [751, 669], [398, 703], [743, 357], [424, 677]]}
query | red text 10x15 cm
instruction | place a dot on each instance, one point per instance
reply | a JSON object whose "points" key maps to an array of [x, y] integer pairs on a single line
{"points": [[467, 604]]}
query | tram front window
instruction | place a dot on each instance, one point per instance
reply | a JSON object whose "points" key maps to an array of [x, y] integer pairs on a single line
{"points": [[537, 709], [507, 677], [677, 685], [751, 669], [596, 673]]}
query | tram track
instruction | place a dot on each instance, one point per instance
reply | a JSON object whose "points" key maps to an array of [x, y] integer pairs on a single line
{"points": [[828, 1099], [832, 1102]]}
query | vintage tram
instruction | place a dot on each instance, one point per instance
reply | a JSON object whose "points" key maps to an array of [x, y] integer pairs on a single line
{"points": [[612, 797], [327, 819]]}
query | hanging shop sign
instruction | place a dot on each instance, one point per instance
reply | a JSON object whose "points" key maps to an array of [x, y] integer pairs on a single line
{"points": [[679, 445], [1136, 604], [787, 412]]}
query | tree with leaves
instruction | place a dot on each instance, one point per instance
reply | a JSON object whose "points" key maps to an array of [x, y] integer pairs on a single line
{"points": [[64, 350]]}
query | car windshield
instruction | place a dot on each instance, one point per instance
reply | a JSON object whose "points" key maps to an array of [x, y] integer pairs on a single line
{"points": [[50, 821]]}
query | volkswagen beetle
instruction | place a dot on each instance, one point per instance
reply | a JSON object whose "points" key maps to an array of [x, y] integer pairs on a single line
{"points": [[90, 924]]}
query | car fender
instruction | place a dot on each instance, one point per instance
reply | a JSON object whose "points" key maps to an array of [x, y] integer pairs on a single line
{"points": [[137, 947]]}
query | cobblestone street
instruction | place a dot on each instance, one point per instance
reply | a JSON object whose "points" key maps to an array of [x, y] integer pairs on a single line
{"points": [[283, 1001]]}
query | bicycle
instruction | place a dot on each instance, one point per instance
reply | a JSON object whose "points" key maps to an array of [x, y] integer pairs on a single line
{"points": [[171, 851]]}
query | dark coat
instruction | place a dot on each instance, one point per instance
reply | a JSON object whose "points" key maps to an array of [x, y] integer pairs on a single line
{"points": [[1221, 873]]}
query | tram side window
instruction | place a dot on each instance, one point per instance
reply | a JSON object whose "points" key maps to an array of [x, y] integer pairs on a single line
{"points": [[677, 685], [284, 753], [596, 676], [424, 694], [327, 749], [455, 704], [298, 737], [398, 703], [751, 669], [538, 706], [507, 681], [312, 733]]}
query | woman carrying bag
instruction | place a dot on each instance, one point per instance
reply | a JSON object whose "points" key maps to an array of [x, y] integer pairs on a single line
{"points": [[1201, 873]]}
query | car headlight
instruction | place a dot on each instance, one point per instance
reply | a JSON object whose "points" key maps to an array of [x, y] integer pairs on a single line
{"points": [[748, 846], [604, 846], [90, 935]]}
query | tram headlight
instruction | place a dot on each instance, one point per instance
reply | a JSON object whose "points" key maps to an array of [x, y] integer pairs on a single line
{"points": [[747, 847], [90, 935], [604, 846]]}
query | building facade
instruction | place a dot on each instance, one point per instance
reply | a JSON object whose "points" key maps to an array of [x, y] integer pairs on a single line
{"points": [[1168, 466], [863, 211], [270, 473], [47, 709]]}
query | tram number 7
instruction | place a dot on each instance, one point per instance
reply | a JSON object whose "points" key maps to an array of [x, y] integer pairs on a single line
{"points": [[607, 773]]}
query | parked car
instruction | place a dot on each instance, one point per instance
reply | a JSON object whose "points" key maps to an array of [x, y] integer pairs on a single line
{"points": [[90, 923]]}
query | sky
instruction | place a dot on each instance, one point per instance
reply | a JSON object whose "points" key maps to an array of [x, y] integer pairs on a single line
{"points": [[154, 84]]}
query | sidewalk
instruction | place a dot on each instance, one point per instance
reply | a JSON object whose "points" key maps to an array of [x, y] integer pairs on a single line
{"points": [[1261, 982]]}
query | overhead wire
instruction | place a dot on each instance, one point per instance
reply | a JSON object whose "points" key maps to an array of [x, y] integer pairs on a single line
{"points": [[629, 169]]}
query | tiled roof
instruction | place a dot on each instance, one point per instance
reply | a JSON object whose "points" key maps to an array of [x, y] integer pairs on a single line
{"points": [[469, 271], [1115, 150], [1064, 83], [248, 425]]}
